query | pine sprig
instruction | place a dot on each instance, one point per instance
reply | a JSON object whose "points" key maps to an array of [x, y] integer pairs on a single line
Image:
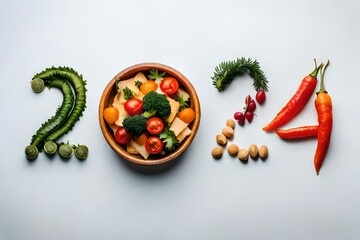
{"points": [[226, 71]]}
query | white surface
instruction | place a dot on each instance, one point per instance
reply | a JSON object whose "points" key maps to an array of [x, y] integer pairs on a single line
{"points": [[200, 198]]}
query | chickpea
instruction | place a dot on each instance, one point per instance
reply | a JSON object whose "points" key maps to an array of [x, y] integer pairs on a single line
{"points": [[253, 150], [233, 149], [228, 132], [217, 152], [230, 123], [243, 154], [263, 152], [221, 139]]}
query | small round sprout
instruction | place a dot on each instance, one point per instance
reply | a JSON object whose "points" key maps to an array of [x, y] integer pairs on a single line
{"points": [[65, 150], [37, 85], [81, 152], [31, 152], [50, 147]]}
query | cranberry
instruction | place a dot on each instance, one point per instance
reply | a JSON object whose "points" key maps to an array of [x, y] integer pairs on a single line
{"points": [[249, 116], [248, 99], [238, 116], [260, 96], [251, 106], [241, 121]]}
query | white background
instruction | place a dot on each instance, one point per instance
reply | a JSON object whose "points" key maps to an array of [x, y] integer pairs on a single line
{"points": [[200, 198]]}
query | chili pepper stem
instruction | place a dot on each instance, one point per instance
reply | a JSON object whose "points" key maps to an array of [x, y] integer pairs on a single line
{"points": [[322, 85], [316, 70]]}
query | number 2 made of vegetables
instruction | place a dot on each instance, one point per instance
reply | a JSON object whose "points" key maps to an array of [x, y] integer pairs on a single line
{"points": [[73, 88]]}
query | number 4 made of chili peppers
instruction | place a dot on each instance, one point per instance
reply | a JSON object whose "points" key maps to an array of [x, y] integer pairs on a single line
{"points": [[322, 131]]}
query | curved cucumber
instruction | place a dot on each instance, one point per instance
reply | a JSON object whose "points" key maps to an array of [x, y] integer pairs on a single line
{"points": [[61, 113], [79, 85]]}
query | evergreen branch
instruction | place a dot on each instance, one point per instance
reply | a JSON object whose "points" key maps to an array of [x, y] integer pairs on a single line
{"points": [[226, 71]]}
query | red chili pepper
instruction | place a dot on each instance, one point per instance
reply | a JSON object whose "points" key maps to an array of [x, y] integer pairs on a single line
{"points": [[298, 132], [297, 102], [323, 105]]}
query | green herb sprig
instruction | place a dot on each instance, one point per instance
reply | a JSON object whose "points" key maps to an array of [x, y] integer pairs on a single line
{"points": [[226, 71], [128, 93], [156, 75]]}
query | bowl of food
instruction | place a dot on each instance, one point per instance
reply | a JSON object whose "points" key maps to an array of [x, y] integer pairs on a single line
{"points": [[149, 114]]}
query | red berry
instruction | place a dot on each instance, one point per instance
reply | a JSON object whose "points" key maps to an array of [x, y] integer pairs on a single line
{"points": [[260, 96], [251, 106], [247, 99], [241, 121], [249, 116], [238, 116]]}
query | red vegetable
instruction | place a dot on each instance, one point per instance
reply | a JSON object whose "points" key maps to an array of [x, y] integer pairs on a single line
{"points": [[133, 106], [154, 125], [323, 105], [296, 103], [169, 85], [154, 145], [298, 132], [122, 136]]}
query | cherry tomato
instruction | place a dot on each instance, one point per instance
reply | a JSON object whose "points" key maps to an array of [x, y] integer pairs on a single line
{"points": [[148, 86], [111, 114], [122, 136], [154, 145], [260, 96], [154, 125], [187, 115], [133, 106], [169, 85]]}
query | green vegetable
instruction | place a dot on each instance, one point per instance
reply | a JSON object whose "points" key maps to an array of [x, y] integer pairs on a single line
{"points": [[169, 139], [155, 75], [79, 86], [50, 147], [156, 104], [138, 84], [81, 152], [225, 72], [31, 152], [66, 150], [128, 94], [183, 98], [70, 111], [37, 85], [61, 114], [135, 125]]}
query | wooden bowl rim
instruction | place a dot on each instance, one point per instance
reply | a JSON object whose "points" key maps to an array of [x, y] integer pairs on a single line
{"points": [[129, 72]]}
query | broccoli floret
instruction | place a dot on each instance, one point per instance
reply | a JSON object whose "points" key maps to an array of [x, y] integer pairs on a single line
{"points": [[156, 104], [135, 125], [169, 139]]}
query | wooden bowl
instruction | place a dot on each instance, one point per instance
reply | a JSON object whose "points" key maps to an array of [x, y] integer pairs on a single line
{"points": [[109, 94]]}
